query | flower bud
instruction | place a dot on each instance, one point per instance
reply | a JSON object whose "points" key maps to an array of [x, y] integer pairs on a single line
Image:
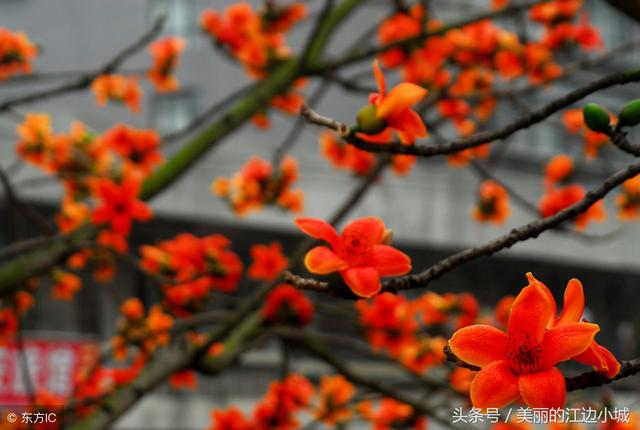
{"points": [[630, 114], [596, 117], [368, 121]]}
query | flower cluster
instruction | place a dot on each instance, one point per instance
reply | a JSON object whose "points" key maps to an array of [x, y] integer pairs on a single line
{"points": [[166, 54], [629, 200], [559, 195], [190, 267], [268, 262], [287, 305], [397, 325], [16, 53], [391, 414], [361, 254], [276, 410], [110, 168], [134, 330], [257, 184], [521, 363], [345, 156], [464, 63], [255, 38], [493, 203], [119, 89]]}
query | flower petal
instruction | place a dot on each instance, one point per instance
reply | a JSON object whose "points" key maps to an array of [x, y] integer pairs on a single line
{"points": [[319, 229], [545, 389], [602, 360], [573, 305], [322, 260], [388, 261], [530, 313], [494, 386], [562, 343], [409, 122], [368, 230], [478, 344], [363, 281], [545, 290], [377, 72], [401, 97]]}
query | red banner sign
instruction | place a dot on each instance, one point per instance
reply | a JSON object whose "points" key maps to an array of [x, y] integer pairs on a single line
{"points": [[52, 366]]}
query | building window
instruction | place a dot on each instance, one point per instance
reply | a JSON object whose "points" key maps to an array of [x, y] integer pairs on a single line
{"points": [[172, 112]]}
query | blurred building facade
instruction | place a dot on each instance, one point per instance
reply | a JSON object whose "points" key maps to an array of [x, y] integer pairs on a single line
{"points": [[428, 209]]}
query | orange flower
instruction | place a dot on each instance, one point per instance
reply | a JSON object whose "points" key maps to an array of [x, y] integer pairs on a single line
{"points": [[286, 304], [335, 394], [558, 199], [360, 254], [399, 26], [36, 137], [629, 201], [117, 88], [395, 107], [185, 379], [268, 261], [72, 215], [389, 322], [493, 203], [159, 323], [344, 156], [119, 204], [231, 419], [284, 398], [138, 147], [132, 309], [521, 362], [392, 414], [558, 169], [462, 158], [65, 285], [461, 379], [418, 356], [16, 53], [596, 355], [256, 184], [165, 54]]}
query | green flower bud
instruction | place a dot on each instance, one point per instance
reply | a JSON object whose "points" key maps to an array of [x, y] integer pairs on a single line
{"points": [[630, 114], [596, 117], [368, 121]]}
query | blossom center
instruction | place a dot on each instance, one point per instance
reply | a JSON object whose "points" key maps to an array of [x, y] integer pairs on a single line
{"points": [[524, 353]]}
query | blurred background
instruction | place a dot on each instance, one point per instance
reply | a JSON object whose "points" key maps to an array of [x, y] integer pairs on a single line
{"points": [[428, 210]]}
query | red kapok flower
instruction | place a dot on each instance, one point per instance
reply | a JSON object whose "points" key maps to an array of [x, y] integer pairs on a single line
{"points": [[493, 203], [558, 199], [335, 394], [596, 355], [132, 309], [521, 362], [287, 304], [395, 107], [629, 201], [268, 261], [165, 54], [119, 204], [231, 419], [558, 169], [360, 254]]}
